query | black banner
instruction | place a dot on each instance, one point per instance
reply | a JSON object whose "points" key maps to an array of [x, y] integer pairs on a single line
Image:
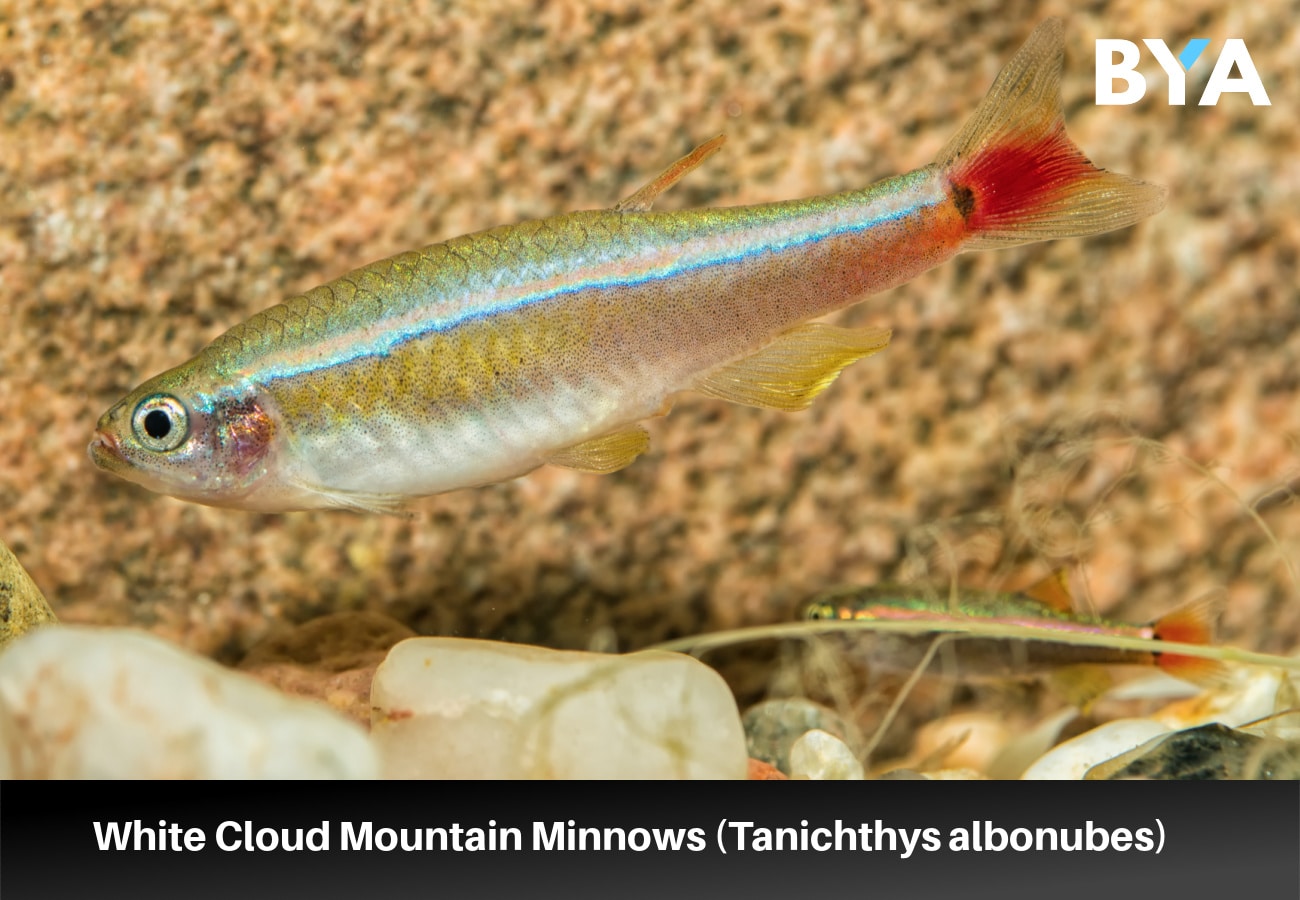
{"points": [[633, 840]]}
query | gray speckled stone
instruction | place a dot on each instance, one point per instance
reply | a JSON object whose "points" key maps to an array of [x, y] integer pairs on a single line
{"points": [[1211, 752], [22, 606], [773, 726]]}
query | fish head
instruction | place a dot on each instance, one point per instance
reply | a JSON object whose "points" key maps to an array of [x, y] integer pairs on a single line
{"points": [[877, 601], [821, 610], [175, 435]]}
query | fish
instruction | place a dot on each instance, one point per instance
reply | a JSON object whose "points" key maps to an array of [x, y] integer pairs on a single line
{"points": [[1077, 670], [482, 358]]}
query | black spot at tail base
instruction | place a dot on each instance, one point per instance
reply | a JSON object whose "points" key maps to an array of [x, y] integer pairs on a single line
{"points": [[964, 197]]}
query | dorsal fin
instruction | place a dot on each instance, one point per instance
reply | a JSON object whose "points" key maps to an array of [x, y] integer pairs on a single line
{"points": [[1053, 591], [645, 197]]}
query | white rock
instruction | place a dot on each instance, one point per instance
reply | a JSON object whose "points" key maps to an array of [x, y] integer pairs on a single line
{"points": [[461, 708], [1071, 760], [821, 756], [79, 702]]}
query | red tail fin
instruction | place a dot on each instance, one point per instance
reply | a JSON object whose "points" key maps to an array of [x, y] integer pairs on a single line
{"points": [[1191, 624], [1017, 177]]}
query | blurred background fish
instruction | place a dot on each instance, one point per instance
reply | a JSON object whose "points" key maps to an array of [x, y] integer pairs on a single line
{"points": [[1076, 670]]}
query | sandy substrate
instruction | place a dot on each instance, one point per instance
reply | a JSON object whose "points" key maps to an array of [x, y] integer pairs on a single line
{"points": [[167, 172]]}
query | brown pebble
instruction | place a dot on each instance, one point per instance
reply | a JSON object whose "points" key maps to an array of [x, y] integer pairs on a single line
{"points": [[332, 658], [333, 643], [761, 771]]}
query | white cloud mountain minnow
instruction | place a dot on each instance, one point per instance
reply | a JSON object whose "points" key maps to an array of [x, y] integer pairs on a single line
{"points": [[479, 359], [1045, 606]]}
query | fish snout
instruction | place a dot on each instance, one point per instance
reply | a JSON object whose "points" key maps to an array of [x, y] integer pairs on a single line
{"points": [[104, 449]]}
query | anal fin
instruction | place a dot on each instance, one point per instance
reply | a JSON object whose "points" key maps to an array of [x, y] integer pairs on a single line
{"points": [[789, 373], [605, 454]]}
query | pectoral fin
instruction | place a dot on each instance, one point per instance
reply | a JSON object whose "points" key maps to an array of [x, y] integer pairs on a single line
{"points": [[789, 373], [604, 454], [383, 504], [645, 197]]}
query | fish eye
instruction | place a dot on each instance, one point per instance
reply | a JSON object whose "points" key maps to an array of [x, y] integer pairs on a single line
{"points": [[161, 423]]}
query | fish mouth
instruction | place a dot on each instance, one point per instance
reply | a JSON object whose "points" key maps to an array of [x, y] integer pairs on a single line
{"points": [[104, 451]]}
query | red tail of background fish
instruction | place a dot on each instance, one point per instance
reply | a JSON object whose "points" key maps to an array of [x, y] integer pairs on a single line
{"points": [[1191, 624], [1017, 177]]}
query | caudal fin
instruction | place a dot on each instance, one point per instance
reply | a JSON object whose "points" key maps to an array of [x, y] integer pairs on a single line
{"points": [[1192, 624], [1017, 177]]}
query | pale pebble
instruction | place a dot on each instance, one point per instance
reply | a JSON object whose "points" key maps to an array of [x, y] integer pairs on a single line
{"points": [[955, 775], [820, 756], [81, 702], [465, 708]]}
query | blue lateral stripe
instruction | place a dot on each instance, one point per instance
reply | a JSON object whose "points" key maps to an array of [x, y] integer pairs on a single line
{"points": [[384, 344]]}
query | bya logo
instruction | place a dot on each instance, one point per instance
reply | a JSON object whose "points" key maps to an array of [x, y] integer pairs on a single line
{"points": [[1233, 54]]}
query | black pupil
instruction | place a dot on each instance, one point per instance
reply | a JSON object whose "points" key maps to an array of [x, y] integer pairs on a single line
{"points": [[157, 424]]}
